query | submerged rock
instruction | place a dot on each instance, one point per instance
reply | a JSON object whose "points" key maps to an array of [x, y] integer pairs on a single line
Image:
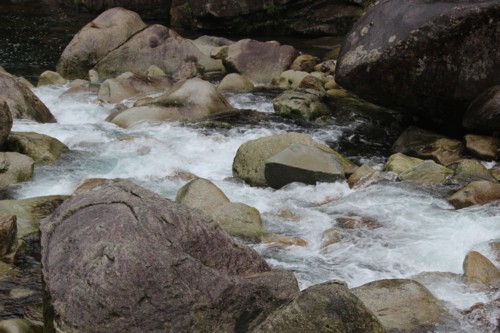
{"points": [[191, 100], [476, 193], [120, 258], [237, 219], [41, 148], [326, 307], [402, 305], [251, 157], [433, 59], [22, 102], [95, 40]]}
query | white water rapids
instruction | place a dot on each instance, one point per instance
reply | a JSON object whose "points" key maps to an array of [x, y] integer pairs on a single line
{"points": [[418, 230]]}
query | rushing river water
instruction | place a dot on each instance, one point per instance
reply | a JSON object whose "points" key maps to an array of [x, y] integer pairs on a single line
{"points": [[415, 233]]}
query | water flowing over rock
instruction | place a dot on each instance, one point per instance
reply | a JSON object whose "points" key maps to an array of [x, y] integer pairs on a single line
{"points": [[251, 157], [483, 115], [22, 102], [326, 307], [41, 148], [15, 168], [476, 193], [261, 62], [402, 305], [431, 59], [6, 122], [120, 258], [95, 40], [191, 100], [237, 219], [129, 85]]}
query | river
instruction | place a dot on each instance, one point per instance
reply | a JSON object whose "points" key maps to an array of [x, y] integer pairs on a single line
{"points": [[417, 234]]}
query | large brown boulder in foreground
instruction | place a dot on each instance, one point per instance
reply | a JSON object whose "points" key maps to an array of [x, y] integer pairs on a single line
{"points": [[119, 258], [431, 58]]}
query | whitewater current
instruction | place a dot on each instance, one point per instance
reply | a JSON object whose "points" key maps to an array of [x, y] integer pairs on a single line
{"points": [[413, 233]]}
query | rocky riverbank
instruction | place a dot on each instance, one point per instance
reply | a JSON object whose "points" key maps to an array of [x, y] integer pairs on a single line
{"points": [[134, 261]]}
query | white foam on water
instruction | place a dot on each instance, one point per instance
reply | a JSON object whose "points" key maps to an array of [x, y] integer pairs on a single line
{"points": [[414, 231]]}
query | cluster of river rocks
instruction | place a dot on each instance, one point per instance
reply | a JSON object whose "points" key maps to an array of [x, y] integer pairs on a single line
{"points": [[112, 236]]}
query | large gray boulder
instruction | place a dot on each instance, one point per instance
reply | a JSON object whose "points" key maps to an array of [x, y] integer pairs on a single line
{"points": [[119, 258], [250, 160], [191, 100], [483, 115], [327, 307], [261, 62], [403, 305], [95, 40], [22, 102], [430, 58], [156, 45]]}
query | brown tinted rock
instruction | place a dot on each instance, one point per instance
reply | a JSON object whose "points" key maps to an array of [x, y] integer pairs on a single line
{"points": [[361, 175], [22, 102], [8, 233], [129, 85], [484, 147], [478, 269], [475, 193], [282, 241], [120, 258], [94, 41], [235, 82], [480, 316], [261, 62], [427, 173], [467, 171], [357, 222], [483, 114], [326, 307], [330, 236], [155, 45], [6, 122], [424, 144], [15, 168], [301, 104], [402, 305], [41, 148], [51, 78], [433, 61], [304, 62], [400, 163]]}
